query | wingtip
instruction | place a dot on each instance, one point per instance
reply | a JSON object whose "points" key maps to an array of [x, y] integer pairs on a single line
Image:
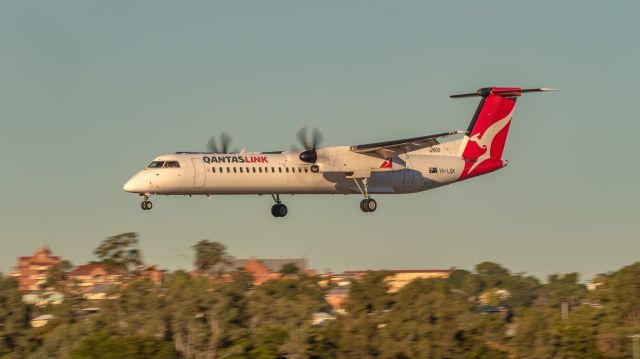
{"points": [[546, 89]]}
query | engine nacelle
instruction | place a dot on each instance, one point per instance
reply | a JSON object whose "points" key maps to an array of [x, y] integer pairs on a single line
{"points": [[309, 156]]}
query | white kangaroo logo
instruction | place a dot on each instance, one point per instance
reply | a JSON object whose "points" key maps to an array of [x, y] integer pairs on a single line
{"points": [[484, 140]]}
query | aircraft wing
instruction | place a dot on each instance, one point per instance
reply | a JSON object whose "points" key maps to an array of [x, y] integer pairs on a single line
{"points": [[397, 147]]}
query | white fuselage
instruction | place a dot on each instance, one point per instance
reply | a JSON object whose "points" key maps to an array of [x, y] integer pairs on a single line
{"points": [[284, 173]]}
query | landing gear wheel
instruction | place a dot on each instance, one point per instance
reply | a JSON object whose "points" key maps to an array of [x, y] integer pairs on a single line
{"points": [[363, 207], [146, 205], [282, 210], [371, 205], [368, 205], [279, 210]]}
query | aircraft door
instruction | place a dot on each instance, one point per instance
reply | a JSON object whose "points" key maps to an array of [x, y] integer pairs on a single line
{"points": [[199, 174]]}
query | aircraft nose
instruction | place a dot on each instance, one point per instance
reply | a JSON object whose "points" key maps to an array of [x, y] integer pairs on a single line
{"points": [[131, 185]]}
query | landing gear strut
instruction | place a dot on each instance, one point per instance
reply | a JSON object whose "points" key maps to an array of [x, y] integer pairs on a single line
{"points": [[368, 204], [278, 209], [146, 205]]}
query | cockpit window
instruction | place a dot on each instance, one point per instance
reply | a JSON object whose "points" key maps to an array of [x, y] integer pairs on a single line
{"points": [[156, 164], [172, 164]]}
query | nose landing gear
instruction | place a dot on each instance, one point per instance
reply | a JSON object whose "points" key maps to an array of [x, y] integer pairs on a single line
{"points": [[278, 209], [146, 205]]}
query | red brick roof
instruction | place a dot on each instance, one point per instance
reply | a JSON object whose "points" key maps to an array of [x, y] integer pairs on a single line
{"points": [[86, 269]]}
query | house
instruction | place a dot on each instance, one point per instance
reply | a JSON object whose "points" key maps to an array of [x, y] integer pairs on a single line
{"points": [[43, 298], [88, 276], [264, 270], [31, 271], [99, 292], [42, 320], [337, 298], [594, 284], [401, 277], [152, 273]]}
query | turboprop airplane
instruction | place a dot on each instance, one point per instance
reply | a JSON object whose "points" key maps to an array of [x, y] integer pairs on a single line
{"points": [[391, 167]]}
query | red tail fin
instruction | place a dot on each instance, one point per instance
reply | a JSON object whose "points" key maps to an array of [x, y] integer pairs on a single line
{"points": [[487, 133]]}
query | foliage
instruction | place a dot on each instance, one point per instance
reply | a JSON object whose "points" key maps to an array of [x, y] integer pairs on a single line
{"points": [[57, 275], [280, 314], [14, 319], [209, 254], [105, 346], [564, 288], [192, 316], [289, 269], [120, 251]]}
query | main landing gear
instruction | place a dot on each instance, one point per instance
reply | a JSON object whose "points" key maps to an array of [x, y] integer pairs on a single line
{"points": [[278, 209], [146, 205], [368, 204]]}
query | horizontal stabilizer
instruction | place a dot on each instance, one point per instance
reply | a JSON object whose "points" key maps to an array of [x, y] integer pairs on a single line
{"points": [[484, 92]]}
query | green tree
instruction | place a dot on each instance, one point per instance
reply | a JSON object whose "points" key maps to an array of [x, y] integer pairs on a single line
{"points": [[429, 320], [14, 319], [367, 309], [106, 346], [280, 316], [209, 254], [492, 275], [523, 290], [465, 282], [562, 288], [120, 251], [57, 275], [289, 269]]}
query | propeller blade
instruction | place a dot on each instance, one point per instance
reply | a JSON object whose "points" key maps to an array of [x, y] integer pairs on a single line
{"points": [[316, 138], [310, 143], [225, 139], [303, 137], [212, 145]]}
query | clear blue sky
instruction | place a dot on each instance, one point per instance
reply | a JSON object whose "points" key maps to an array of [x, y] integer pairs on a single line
{"points": [[91, 91]]}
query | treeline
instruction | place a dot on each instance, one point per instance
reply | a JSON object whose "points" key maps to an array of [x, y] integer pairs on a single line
{"points": [[486, 313]]}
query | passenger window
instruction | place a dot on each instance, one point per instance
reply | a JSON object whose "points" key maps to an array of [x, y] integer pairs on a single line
{"points": [[306, 170], [259, 169], [299, 170], [228, 169], [156, 164], [280, 169], [287, 169], [234, 170], [253, 169], [240, 169], [273, 170], [213, 169], [220, 169]]}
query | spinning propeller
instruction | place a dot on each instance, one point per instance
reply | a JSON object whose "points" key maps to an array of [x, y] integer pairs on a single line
{"points": [[225, 140], [310, 143]]}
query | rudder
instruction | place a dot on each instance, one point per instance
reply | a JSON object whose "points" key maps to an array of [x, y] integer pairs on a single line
{"points": [[484, 142]]}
